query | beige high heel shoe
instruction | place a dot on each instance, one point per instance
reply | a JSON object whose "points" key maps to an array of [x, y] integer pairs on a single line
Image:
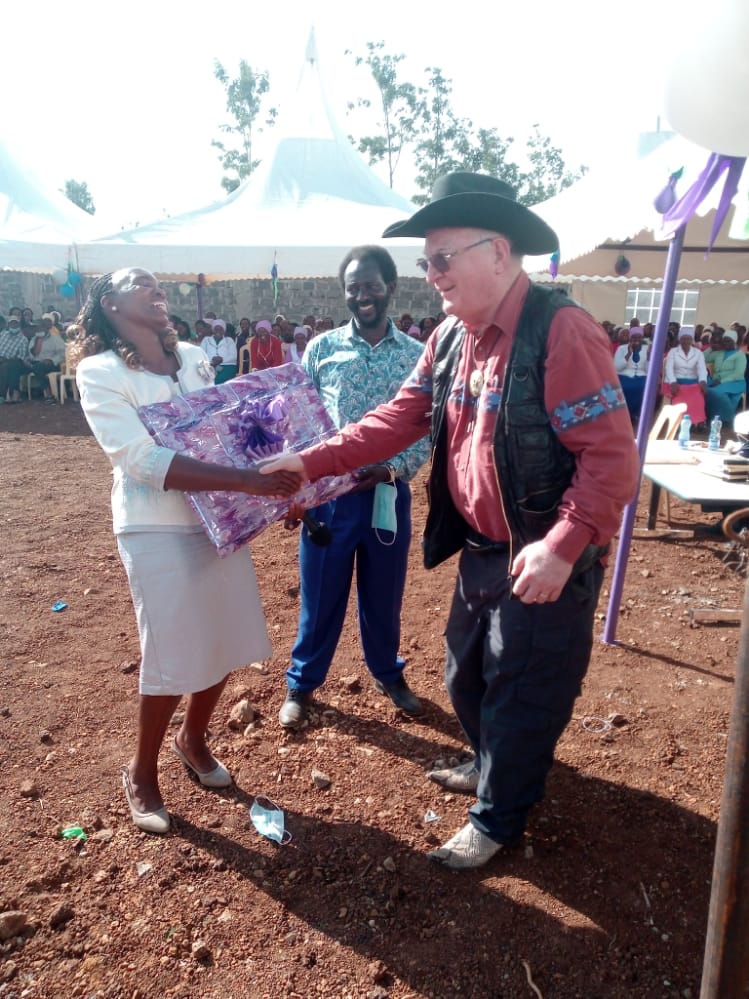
{"points": [[153, 822], [218, 777]]}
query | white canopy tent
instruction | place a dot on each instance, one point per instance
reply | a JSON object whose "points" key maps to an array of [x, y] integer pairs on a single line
{"points": [[611, 211], [39, 226], [312, 198]]}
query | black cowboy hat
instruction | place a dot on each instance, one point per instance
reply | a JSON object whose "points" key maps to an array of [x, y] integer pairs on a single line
{"points": [[478, 201]]}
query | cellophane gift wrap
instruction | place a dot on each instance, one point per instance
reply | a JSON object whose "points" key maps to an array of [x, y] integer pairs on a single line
{"points": [[238, 423]]}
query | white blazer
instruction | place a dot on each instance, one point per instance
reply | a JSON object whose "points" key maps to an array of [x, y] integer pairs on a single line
{"points": [[111, 394]]}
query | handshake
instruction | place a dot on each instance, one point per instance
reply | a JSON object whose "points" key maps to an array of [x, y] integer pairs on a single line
{"points": [[289, 462]]}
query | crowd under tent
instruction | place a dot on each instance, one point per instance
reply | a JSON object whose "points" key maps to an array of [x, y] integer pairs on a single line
{"points": [[613, 253]]}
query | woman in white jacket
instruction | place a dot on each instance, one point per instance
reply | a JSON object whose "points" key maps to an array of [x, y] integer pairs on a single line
{"points": [[685, 376], [631, 363], [188, 602], [295, 350]]}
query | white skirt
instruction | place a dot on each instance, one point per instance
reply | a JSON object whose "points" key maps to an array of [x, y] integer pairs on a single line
{"points": [[199, 616]]}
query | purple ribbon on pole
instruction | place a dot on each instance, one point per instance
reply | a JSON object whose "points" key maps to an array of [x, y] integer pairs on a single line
{"points": [[652, 382], [677, 217], [688, 203], [554, 263]]}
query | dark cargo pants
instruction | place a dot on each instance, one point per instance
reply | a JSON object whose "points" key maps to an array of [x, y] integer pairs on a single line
{"points": [[513, 671]]}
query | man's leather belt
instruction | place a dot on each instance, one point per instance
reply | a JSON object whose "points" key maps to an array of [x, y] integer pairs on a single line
{"points": [[481, 545]]}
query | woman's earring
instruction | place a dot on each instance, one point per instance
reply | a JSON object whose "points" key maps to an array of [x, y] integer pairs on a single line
{"points": [[114, 308]]}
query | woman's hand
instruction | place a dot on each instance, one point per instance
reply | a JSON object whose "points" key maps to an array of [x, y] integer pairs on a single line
{"points": [[673, 389], [259, 482], [703, 387]]}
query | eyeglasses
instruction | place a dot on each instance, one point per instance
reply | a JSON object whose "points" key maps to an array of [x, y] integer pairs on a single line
{"points": [[441, 261]]}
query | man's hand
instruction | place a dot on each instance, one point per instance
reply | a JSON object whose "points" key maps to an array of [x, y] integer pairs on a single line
{"points": [[293, 517], [370, 476], [539, 574], [283, 463], [279, 482]]}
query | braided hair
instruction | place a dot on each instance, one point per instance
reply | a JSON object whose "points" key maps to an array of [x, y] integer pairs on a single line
{"points": [[97, 333]]}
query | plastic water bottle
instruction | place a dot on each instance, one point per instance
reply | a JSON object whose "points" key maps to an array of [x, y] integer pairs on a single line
{"points": [[713, 443], [684, 430]]}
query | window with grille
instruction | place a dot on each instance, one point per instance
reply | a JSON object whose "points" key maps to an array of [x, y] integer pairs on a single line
{"points": [[644, 303]]}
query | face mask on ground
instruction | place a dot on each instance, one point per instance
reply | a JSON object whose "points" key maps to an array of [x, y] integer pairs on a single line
{"points": [[269, 820]]}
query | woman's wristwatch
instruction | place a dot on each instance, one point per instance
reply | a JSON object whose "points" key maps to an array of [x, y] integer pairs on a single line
{"points": [[391, 471]]}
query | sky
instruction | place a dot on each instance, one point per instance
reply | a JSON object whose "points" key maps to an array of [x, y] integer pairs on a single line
{"points": [[123, 96]]}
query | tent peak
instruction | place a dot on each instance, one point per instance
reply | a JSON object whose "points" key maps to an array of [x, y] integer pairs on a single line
{"points": [[310, 54]]}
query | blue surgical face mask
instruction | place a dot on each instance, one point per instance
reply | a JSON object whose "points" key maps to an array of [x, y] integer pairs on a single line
{"points": [[269, 821], [384, 517]]}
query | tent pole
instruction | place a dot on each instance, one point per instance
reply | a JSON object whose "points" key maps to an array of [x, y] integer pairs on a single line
{"points": [[652, 383], [725, 972]]}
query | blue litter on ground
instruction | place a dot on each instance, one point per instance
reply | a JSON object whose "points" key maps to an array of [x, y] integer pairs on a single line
{"points": [[59, 605]]}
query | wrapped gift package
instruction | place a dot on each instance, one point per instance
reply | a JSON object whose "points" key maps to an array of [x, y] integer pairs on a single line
{"points": [[239, 423]]}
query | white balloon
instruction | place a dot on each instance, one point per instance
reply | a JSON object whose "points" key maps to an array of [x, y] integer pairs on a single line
{"points": [[707, 89], [185, 289], [60, 275]]}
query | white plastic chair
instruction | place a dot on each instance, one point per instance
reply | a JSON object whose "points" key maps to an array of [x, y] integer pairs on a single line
{"points": [[665, 427], [65, 377], [244, 355], [669, 419], [741, 424], [27, 381]]}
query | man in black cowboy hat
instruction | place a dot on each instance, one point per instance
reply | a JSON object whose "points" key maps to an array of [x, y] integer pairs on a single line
{"points": [[533, 462]]}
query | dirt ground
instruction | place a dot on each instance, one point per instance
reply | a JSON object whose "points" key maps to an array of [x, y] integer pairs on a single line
{"points": [[606, 898]]}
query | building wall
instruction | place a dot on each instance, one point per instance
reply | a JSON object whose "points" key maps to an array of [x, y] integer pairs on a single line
{"points": [[323, 297], [33, 291], [602, 300], [230, 300], [723, 304]]}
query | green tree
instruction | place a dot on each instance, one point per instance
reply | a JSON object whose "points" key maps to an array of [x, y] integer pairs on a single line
{"points": [[244, 99], [78, 193], [422, 120], [398, 103], [488, 152], [441, 140], [548, 173]]}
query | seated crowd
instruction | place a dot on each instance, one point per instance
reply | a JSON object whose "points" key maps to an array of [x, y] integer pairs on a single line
{"points": [[254, 345], [703, 366], [37, 348], [30, 348]]}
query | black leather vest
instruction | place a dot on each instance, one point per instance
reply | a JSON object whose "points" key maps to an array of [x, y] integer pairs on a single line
{"points": [[534, 469]]}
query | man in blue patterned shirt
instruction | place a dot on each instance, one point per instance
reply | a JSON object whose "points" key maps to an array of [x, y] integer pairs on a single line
{"points": [[355, 368]]}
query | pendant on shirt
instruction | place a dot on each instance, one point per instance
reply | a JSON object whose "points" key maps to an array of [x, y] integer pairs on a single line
{"points": [[476, 382]]}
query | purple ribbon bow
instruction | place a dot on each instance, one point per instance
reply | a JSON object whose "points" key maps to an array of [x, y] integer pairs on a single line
{"points": [[690, 201]]}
